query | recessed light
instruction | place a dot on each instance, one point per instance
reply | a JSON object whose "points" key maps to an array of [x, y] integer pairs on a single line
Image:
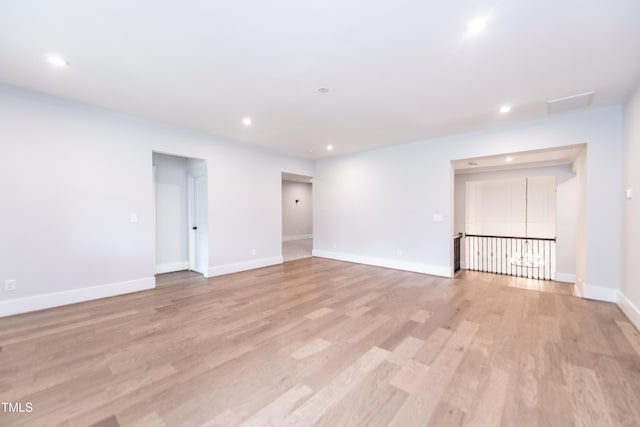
{"points": [[247, 121], [476, 25], [57, 61], [505, 109], [508, 159], [329, 147], [323, 90]]}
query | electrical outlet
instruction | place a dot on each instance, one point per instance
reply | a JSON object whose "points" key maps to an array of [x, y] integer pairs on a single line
{"points": [[10, 285], [335, 245], [253, 251], [399, 252]]}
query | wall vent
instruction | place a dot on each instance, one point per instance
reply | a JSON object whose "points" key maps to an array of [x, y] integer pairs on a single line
{"points": [[568, 103]]}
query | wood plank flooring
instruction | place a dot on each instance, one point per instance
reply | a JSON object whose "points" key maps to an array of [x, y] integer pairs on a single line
{"points": [[326, 343]]}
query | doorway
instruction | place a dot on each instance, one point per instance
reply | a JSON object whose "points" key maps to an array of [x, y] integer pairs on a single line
{"points": [[534, 199], [297, 216], [180, 185]]}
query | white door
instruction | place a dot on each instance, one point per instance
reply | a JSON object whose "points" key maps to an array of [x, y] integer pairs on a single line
{"points": [[199, 230]]}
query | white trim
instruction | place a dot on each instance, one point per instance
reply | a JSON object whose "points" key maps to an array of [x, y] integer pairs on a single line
{"points": [[298, 237], [599, 293], [576, 291], [630, 309], [197, 171], [72, 296], [219, 270], [435, 270], [565, 277], [171, 267]]}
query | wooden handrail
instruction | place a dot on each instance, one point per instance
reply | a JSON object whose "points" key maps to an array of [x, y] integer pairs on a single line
{"points": [[512, 237]]}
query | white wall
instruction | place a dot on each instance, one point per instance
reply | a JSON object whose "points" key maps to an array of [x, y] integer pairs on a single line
{"points": [[580, 169], [566, 209], [371, 204], [520, 207], [172, 225], [71, 175], [297, 218], [630, 289]]}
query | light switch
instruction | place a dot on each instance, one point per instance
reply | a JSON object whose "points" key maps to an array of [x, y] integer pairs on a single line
{"points": [[628, 193], [133, 218], [437, 217]]}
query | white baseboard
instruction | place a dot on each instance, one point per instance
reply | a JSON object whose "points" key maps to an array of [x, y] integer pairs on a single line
{"points": [[630, 309], [72, 296], [219, 270], [171, 267], [565, 277], [298, 237], [600, 293], [577, 290], [435, 270]]}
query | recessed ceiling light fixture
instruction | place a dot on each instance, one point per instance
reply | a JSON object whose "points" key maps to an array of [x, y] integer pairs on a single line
{"points": [[476, 25], [508, 159], [329, 147], [57, 61], [247, 121], [505, 109]]}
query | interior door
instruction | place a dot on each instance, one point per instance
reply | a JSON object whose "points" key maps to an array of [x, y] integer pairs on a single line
{"points": [[199, 225]]}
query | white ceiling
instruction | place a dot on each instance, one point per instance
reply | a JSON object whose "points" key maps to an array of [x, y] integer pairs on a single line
{"points": [[397, 70]]}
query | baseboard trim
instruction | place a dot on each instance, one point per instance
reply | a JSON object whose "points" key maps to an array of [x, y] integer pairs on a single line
{"points": [[599, 293], [170, 267], [298, 237], [565, 277], [220, 270], [630, 309], [433, 270], [577, 290], [72, 296]]}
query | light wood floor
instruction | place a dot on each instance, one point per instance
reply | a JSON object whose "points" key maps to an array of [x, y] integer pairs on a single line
{"points": [[296, 249], [552, 286], [320, 342]]}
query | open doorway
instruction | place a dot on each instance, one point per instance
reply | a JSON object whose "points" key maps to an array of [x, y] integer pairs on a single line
{"points": [[180, 185], [297, 216], [544, 189]]}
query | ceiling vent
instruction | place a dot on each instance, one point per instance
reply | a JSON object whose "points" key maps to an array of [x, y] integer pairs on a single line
{"points": [[568, 103]]}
